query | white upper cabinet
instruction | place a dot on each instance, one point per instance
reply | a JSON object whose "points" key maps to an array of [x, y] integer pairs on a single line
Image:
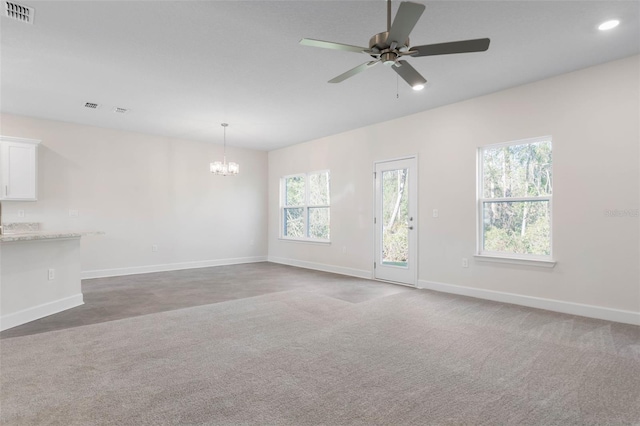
{"points": [[18, 168]]}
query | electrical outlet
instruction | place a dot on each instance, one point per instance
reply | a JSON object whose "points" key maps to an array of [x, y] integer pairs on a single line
{"points": [[154, 247], [73, 213], [465, 262], [20, 213], [51, 273], [435, 212]]}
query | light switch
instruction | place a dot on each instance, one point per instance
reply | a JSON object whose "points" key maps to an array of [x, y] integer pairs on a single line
{"points": [[73, 213]]}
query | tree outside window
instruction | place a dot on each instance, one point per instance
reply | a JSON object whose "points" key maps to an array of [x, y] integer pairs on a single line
{"points": [[306, 206], [515, 195]]}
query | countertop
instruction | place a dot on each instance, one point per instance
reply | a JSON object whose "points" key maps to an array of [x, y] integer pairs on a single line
{"points": [[44, 235]]}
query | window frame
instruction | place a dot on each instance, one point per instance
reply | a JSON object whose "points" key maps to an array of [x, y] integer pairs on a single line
{"points": [[512, 258], [305, 207]]}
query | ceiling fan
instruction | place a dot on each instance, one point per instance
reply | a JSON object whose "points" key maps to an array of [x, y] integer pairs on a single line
{"points": [[390, 46]]}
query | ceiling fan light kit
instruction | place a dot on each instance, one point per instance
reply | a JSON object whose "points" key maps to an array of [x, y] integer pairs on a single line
{"points": [[608, 25], [390, 46]]}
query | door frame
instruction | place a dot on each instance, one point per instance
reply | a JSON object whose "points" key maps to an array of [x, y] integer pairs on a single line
{"points": [[413, 194]]}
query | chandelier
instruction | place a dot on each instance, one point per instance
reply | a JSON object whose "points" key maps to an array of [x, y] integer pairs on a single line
{"points": [[223, 168]]}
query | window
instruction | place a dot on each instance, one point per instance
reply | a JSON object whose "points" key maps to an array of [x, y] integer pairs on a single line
{"points": [[514, 199], [305, 206]]}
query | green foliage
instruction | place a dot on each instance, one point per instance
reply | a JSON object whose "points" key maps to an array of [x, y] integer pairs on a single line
{"points": [[294, 222], [319, 222], [319, 189], [317, 209], [396, 244], [318, 219], [294, 191], [517, 170], [395, 205], [519, 227], [507, 240]]}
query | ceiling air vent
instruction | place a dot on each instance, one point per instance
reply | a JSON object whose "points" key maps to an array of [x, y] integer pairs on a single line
{"points": [[120, 110], [19, 12], [91, 105]]}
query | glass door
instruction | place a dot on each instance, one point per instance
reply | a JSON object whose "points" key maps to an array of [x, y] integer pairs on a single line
{"points": [[395, 220]]}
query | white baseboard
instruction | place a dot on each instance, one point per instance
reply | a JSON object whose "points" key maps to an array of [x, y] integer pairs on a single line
{"points": [[358, 273], [609, 314], [116, 272], [31, 314], [616, 315]]}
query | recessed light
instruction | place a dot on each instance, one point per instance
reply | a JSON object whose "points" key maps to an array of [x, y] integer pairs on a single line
{"points": [[418, 87], [608, 25]]}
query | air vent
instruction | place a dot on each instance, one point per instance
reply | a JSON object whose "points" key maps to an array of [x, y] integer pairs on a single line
{"points": [[120, 110], [91, 105], [19, 12]]}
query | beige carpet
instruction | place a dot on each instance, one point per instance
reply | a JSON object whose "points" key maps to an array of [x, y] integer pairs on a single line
{"points": [[300, 358]]}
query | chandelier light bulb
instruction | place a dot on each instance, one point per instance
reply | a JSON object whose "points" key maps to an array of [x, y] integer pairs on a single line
{"points": [[223, 168]]}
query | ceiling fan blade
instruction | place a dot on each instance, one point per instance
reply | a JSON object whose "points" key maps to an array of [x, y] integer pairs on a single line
{"points": [[464, 46], [406, 18], [353, 72], [332, 45], [409, 73]]}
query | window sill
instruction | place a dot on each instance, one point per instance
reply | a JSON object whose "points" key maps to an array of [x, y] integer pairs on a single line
{"points": [[516, 260], [300, 240]]}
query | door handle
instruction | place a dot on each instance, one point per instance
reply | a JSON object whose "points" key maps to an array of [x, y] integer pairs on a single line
{"points": [[411, 227]]}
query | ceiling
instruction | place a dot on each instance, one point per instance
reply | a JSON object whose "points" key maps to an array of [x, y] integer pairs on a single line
{"points": [[184, 67]]}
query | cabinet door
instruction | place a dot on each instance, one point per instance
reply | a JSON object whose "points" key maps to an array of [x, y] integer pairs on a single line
{"points": [[19, 165]]}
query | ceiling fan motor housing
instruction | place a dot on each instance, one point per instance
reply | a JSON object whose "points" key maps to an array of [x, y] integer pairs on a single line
{"points": [[389, 58], [381, 48]]}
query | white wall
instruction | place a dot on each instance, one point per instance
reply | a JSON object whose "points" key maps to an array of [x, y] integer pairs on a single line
{"points": [[26, 293], [143, 190], [594, 118]]}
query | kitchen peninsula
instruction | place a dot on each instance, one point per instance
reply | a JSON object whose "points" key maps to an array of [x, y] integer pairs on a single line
{"points": [[39, 273]]}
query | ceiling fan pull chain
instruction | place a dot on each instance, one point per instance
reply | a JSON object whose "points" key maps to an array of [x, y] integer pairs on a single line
{"points": [[397, 85]]}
